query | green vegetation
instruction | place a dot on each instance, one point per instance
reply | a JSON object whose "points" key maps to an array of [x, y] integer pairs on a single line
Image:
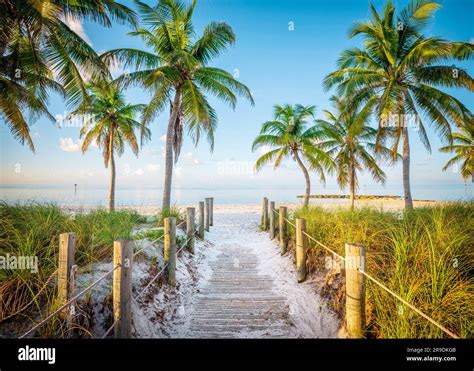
{"points": [[425, 256], [33, 230], [169, 212], [347, 138], [399, 71], [463, 148], [178, 71], [110, 124], [40, 53], [291, 135]]}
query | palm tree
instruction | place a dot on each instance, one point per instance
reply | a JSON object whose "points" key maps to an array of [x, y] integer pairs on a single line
{"points": [[110, 122], [400, 70], [351, 143], [177, 71], [463, 147], [40, 53], [292, 136]]}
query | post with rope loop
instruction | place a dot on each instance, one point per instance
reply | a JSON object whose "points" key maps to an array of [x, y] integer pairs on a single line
{"points": [[301, 242], [190, 228], [122, 288], [265, 214], [170, 249], [283, 229], [201, 219], [272, 220], [65, 271], [355, 290]]}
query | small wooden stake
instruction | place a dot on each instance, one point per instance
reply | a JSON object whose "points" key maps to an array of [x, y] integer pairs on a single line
{"points": [[122, 288], [201, 219], [283, 229], [355, 290], [66, 261], [170, 249], [211, 222], [272, 220], [208, 217], [265, 214], [301, 249], [190, 227]]}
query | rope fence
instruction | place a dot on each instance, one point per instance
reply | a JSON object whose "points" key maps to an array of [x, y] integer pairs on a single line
{"points": [[355, 308], [123, 257]]}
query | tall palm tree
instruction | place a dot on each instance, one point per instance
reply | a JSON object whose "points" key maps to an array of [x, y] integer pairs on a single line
{"points": [[40, 53], [401, 70], [351, 143], [177, 70], [463, 147], [110, 122], [293, 136]]}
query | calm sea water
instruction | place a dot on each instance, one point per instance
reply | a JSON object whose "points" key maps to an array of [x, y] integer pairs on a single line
{"points": [[239, 195]]}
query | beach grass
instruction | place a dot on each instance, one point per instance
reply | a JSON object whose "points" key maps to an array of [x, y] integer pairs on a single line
{"points": [[33, 230], [425, 256]]}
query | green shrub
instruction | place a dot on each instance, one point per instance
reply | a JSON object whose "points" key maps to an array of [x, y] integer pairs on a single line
{"points": [[425, 256]]}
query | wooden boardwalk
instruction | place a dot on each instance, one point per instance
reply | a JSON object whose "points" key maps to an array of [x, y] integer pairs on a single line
{"points": [[237, 301]]}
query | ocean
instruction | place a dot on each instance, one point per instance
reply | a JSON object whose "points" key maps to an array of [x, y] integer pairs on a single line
{"points": [[150, 196]]}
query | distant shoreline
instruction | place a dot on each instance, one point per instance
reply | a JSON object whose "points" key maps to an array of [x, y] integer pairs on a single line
{"points": [[379, 204]]}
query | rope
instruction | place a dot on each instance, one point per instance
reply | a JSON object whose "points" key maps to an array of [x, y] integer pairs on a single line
{"points": [[56, 312], [151, 243], [161, 271], [324, 246], [34, 298], [411, 306], [425, 316]]}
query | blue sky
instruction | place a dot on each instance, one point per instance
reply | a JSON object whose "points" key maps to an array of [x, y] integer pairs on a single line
{"points": [[279, 64]]}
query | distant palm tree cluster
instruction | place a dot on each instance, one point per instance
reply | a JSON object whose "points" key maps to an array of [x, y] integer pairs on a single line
{"points": [[394, 79]]}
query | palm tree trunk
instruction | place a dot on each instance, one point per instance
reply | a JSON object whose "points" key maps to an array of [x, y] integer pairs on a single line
{"points": [[306, 176], [352, 184], [112, 172], [406, 169], [169, 151]]}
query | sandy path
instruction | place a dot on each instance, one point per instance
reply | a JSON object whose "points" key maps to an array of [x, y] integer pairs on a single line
{"points": [[250, 290]]}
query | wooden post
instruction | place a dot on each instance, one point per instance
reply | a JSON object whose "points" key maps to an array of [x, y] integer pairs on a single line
{"points": [[272, 220], [211, 222], [301, 249], [355, 290], [66, 261], [170, 249], [190, 227], [283, 229], [201, 219], [208, 217], [265, 214], [122, 288]]}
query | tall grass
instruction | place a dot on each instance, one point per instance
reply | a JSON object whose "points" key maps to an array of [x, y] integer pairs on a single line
{"points": [[425, 256], [33, 230]]}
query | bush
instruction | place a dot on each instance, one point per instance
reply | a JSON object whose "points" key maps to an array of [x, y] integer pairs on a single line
{"points": [[424, 255]]}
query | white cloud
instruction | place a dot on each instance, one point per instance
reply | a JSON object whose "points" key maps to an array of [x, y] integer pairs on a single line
{"points": [[69, 145], [139, 171], [163, 138], [189, 157], [179, 171], [76, 25], [152, 168], [88, 173]]}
